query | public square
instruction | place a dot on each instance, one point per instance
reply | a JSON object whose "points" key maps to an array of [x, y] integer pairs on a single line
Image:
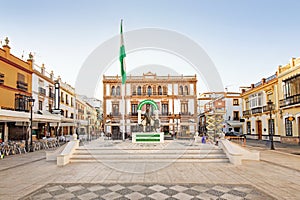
{"points": [[30, 176]]}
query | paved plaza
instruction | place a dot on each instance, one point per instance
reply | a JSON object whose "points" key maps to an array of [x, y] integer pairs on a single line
{"points": [[30, 176]]}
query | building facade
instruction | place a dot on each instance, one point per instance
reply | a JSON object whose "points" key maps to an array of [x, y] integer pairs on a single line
{"points": [[258, 124], [15, 90], [289, 101], [227, 104], [45, 123], [175, 97]]}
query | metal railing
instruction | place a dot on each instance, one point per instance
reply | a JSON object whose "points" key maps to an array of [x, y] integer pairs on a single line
{"points": [[288, 101]]}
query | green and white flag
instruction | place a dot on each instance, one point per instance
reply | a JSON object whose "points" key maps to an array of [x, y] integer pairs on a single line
{"points": [[122, 56]]}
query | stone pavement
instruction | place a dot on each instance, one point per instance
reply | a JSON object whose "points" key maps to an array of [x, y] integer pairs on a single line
{"points": [[128, 191], [252, 180], [284, 155]]}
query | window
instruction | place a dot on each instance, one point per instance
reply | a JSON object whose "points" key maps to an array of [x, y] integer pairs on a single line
{"points": [[256, 100], [133, 90], [159, 90], [271, 126], [186, 90], [139, 90], [288, 127], [72, 115], [40, 105], [149, 91], [180, 90], [21, 85], [67, 99], [113, 91], [118, 91], [115, 109], [21, 102], [164, 109], [134, 108], [62, 97], [235, 102], [72, 103], [236, 115], [248, 128], [66, 114], [184, 108]]}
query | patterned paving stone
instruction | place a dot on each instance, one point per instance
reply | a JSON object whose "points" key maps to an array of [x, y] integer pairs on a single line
{"points": [[143, 191]]}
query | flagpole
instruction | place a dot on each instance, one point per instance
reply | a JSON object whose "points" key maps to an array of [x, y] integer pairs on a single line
{"points": [[123, 111], [123, 76]]}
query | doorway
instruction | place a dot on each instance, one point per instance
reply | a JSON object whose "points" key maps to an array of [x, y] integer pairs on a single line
{"points": [[259, 129], [116, 133]]}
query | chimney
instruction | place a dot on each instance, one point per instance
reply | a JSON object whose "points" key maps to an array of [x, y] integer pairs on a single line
{"points": [[252, 86]]}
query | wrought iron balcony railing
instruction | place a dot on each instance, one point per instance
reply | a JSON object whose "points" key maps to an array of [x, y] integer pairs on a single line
{"points": [[289, 101]]}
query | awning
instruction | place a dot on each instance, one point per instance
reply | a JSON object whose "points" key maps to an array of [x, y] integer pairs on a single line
{"points": [[67, 124], [13, 116], [46, 116], [235, 124]]}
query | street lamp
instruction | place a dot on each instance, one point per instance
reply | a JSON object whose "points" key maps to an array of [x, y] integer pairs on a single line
{"points": [[31, 104], [271, 128]]}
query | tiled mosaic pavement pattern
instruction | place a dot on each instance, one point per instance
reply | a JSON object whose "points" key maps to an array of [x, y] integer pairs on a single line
{"points": [[132, 191]]}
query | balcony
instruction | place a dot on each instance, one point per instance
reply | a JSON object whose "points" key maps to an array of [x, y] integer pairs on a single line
{"points": [[42, 91], [152, 94], [289, 101], [266, 108], [115, 114], [133, 114], [246, 112], [22, 85], [256, 110], [185, 113]]}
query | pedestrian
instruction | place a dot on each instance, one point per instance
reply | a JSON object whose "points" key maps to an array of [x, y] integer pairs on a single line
{"points": [[203, 140]]}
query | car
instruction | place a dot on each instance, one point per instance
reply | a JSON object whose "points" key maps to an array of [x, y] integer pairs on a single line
{"points": [[233, 133]]}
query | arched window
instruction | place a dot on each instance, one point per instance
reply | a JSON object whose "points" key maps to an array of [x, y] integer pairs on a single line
{"points": [[165, 90], [186, 90], [113, 91], [118, 91], [180, 90], [139, 90], [159, 90], [149, 90], [134, 90]]}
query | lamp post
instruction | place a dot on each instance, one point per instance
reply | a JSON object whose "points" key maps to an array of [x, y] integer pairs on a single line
{"points": [[271, 128], [31, 104]]}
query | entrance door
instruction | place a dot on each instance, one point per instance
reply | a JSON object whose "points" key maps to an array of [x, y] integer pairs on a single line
{"points": [[259, 129], [116, 133], [166, 129]]}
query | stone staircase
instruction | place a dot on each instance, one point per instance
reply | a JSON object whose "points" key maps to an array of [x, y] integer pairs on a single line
{"points": [[167, 152]]}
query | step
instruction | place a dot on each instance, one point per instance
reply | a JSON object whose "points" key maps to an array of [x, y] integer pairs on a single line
{"points": [[151, 156], [216, 160], [167, 151]]}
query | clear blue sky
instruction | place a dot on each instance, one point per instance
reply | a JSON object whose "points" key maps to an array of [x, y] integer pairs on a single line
{"points": [[246, 39]]}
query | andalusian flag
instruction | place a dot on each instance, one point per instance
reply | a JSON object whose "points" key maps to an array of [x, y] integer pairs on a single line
{"points": [[122, 57]]}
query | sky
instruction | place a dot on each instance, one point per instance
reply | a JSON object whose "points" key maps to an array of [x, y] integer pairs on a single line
{"points": [[246, 39]]}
